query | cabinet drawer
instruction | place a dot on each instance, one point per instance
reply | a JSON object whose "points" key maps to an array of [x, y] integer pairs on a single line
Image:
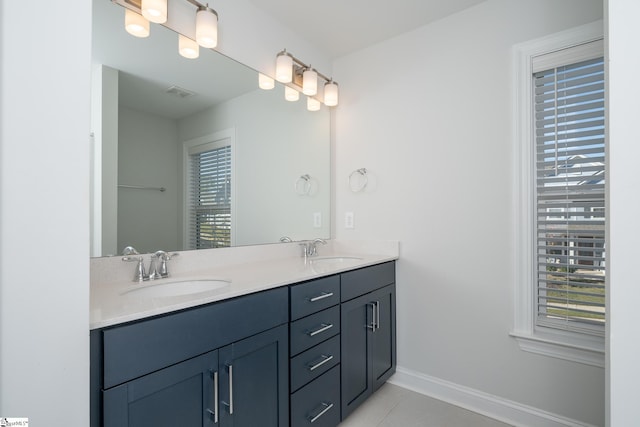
{"points": [[358, 282], [136, 349], [311, 297], [314, 362], [318, 403], [312, 330]]}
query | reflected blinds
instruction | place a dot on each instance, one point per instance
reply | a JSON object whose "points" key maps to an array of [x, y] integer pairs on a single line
{"points": [[210, 193], [570, 196]]}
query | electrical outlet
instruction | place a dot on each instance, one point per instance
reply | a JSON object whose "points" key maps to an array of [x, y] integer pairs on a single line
{"points": [[317, 220], [348, 220]]}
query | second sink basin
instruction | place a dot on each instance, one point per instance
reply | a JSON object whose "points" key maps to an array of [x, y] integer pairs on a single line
{"points": [[177, 288]]}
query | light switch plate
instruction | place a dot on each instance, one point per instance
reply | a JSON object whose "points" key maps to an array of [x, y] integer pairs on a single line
{"points": [[317, 219]]}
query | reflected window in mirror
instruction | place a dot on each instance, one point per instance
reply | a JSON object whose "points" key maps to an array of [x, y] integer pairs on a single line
{"points": [[209, 178]]}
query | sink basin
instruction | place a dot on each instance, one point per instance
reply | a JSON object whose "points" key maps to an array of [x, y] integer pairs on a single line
{"points": [[177, 288]]}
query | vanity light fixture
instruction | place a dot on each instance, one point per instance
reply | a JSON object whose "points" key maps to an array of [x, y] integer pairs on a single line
{"points": [[187, 47], [290, 94], [136, 24], [331, 93], [290, 69], [313, 104], [207, 27], [154, 10], [310, 82], [284, 67], [265, 82]]}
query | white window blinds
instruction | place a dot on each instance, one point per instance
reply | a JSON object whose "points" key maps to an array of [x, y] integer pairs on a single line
{"points": [[210, 197], [570, 196]]}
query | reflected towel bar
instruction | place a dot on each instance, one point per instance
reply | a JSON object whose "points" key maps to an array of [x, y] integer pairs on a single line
{"points": [[141, 187]]}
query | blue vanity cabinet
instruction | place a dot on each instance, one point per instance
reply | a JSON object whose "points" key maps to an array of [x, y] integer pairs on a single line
{"points": [[368, 332], [223, 364]]}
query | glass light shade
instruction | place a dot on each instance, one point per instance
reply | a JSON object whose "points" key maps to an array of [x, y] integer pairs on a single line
{"points": [[135, 24], [290, 94], [309, 82], [155, 10], [265, 82], [207, 27], [187, 47], [313, 104], [331, 94], [284, 68]]}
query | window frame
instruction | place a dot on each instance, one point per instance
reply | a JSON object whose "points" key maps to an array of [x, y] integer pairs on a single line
{"points": [[568, 345], [225, 137]]}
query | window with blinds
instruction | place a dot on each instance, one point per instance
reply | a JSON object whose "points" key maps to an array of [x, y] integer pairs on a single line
{"points": [[570, 196], [210, 197]]}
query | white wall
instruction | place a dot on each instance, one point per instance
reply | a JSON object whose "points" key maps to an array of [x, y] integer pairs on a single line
{"points": [[624, 204], [276, 142], [44, 211], [148, 150], [428, 114]]}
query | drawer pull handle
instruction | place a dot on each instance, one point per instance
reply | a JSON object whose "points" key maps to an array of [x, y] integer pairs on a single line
{"points": [[327, 406], [324, 360], [322, 295], [323, 327]]}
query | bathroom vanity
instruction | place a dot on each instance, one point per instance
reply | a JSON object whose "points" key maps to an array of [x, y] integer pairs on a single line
{"points": [[301, 353]]}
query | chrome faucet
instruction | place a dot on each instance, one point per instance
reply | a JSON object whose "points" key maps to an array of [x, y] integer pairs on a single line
{"points": [[310, 247], [158, 268]]}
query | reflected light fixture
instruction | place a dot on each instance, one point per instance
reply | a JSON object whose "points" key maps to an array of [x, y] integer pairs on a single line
{"points": [[187, 47], [290, 94], [135, 24], [154, 10], [309, 82], [290, 69], [265, 82], [284, 67], [207, 27], [313, 104], [331, 93]]}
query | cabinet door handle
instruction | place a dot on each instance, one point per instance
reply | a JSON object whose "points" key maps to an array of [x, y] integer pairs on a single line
{"points": [[323, 327], [373, 324], [325, 359], [326, 406], [230, 404], [215, 398], [377, 311], [322, 295]]}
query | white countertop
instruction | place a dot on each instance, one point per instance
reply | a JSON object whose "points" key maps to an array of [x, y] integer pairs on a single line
{"points": [[111, 304]]}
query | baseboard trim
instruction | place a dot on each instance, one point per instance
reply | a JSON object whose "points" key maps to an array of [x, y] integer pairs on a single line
{"points": [[483, 403]]}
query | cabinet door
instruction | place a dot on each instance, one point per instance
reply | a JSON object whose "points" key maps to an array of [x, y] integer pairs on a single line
{"points": [[368, 353], [180, 395], [383, 338], [254, 380], [356, 321]]}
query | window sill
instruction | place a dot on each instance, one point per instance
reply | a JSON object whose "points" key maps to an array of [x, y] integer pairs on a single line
{"points": [[589, 351]]}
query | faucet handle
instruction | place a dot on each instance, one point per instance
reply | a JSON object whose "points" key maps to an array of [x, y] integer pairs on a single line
{"points": [[139, 275], [163, 257]]}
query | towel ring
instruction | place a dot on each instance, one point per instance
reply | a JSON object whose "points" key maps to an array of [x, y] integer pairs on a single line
{"points": [[358, 180], [303, 185]]}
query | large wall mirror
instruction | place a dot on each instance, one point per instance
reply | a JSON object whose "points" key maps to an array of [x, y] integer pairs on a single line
{"points": [[167, 129]]}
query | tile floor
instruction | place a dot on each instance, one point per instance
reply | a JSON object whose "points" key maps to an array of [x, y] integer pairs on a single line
{"points": [[394, 406]]}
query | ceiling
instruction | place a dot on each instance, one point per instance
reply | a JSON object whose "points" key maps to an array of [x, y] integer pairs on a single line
{"points": [[339, 27]]}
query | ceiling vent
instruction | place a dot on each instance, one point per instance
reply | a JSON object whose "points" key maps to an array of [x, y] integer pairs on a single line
{"points": [[179, 92]]}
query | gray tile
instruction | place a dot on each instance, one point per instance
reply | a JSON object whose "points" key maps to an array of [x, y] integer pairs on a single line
{"points": [[394, 406]]}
